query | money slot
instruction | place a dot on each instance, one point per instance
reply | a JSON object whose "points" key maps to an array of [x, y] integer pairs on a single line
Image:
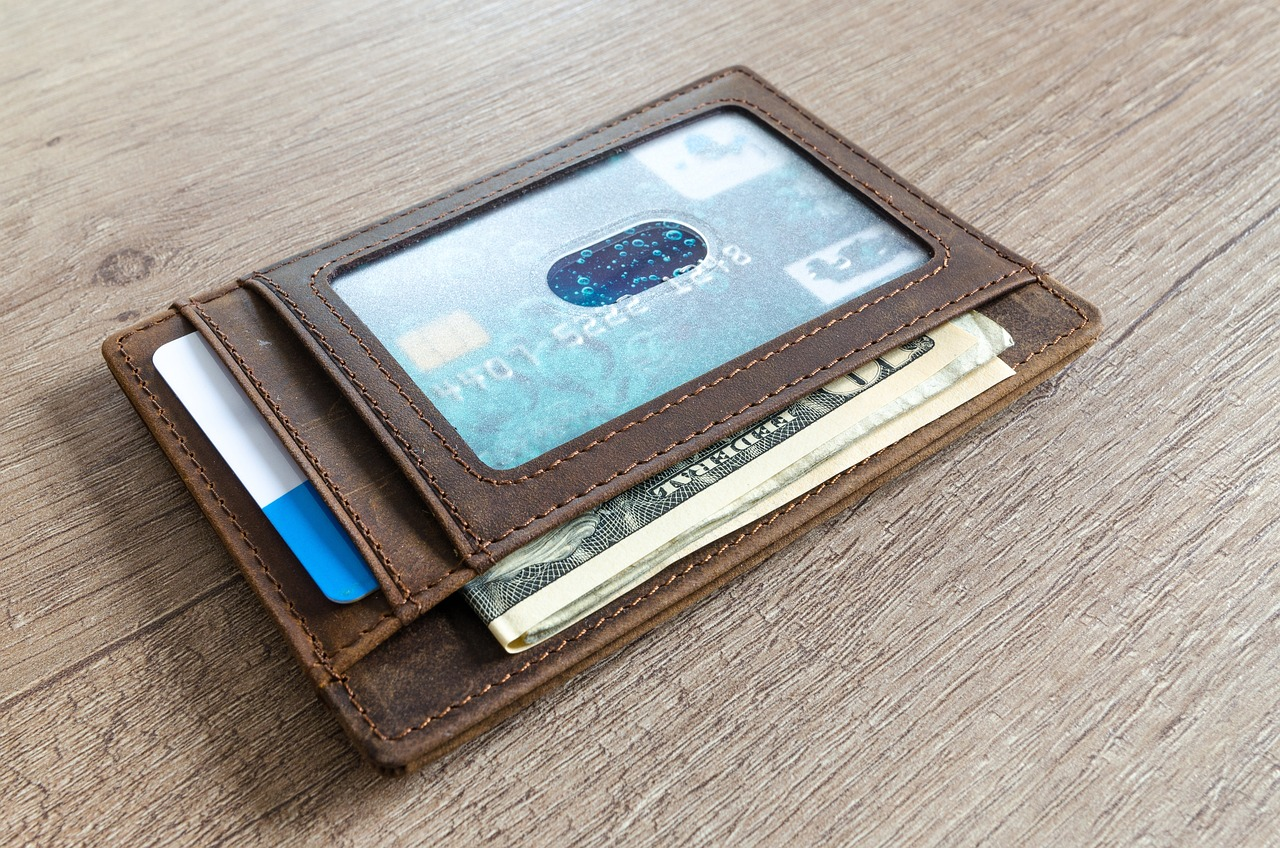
{"points": [[555, 581]]}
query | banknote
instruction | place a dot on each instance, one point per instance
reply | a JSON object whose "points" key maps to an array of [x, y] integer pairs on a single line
{"points": [[555, 580]]}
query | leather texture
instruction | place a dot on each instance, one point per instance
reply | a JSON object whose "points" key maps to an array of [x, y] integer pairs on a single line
{"points": [[410, 671], [489, 513]]}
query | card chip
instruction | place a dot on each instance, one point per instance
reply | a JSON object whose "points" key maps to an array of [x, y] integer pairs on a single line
{"points": [[443, 340]]}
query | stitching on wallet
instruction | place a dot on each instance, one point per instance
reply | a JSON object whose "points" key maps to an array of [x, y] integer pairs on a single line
{"points": [[602, 620], [182, 442], [1084, 319], [343, 680], [457, 457], [323, 660], [363, 633], [350, 509], [483, 544], [318, 652]]}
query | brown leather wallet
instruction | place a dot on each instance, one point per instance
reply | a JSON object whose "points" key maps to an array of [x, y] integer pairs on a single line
{"points": [[410, 671]]}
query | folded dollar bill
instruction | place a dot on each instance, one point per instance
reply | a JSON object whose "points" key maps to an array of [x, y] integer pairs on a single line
{"points": [[582, 565]]}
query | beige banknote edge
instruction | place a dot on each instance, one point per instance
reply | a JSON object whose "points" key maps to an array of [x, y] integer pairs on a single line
{"points": [[950, 343], [895, 430], [965, 389], [905, 409], [754, 504]]}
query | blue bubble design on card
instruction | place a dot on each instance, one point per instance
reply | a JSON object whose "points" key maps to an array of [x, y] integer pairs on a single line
{"points": [[627, 263]]}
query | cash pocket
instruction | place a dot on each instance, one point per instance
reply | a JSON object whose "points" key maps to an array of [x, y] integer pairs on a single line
{"points": [[445, 326]]}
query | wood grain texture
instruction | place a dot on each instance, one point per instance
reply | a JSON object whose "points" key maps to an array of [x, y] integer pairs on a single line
{"points": [[1061, 630]]}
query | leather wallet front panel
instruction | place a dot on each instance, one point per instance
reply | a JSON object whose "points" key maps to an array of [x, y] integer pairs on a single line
{"points": [[407, 694], [487, 512]]}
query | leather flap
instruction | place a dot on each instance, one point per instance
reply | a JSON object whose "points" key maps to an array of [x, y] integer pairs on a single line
{"points": [[489, 512]]}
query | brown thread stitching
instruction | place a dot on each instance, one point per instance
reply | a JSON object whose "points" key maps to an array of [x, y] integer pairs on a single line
{"points": [[302, 622], [685, 440], [697, 433], [410, 452], [324, 473], [344, 681], [778, 121], [639, 130], [483, 544], [365, 632], [1084, 319], [453, 451], [596, 624], [321, 658], [306, 449]]}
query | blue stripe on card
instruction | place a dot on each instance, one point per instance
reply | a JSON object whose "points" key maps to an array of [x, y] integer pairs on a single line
{"points": [[325, 550]]}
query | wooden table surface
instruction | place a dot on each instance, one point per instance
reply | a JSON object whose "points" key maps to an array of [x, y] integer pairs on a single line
{"points": [[1061, 630]]}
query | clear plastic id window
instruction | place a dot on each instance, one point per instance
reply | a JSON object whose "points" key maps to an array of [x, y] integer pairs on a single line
{"points": [[583, 298]]}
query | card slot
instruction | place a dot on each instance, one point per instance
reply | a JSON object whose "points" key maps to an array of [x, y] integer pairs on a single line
{"points": [[339, 633], [398, 537], [487, 512]]}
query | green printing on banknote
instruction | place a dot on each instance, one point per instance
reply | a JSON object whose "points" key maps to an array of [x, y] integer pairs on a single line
{"points": [[580, 566]]}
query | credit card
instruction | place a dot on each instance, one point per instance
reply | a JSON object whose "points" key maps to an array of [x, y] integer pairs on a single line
{"points": [[571, 304], [258, 459]]}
